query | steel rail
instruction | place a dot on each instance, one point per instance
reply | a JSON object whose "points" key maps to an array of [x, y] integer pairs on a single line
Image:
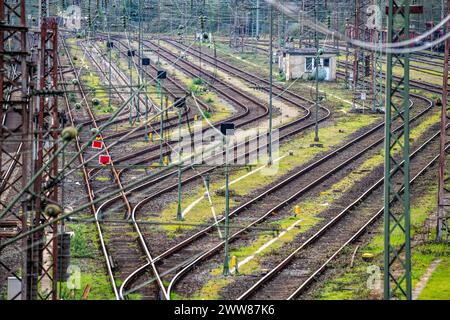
{"points": [[358, 234], [185, 65], [88, 185], [242, 74], [123, 195]]}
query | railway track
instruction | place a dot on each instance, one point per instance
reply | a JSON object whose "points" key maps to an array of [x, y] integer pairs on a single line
{"points": [[152, 153], [284, 94], [136, 272], [414, 84], [124, 260], [419, 68], [186, 245], [421, 57], [160, 179], [292, 276], [306, 181], [170, 87], [173, 266]]}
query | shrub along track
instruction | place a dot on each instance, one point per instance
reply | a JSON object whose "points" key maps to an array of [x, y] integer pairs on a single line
{"points": [[302, 182]]}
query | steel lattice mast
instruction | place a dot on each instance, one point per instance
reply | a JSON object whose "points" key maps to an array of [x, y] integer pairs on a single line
{"points": [[397, 254], [378, 99], [442, 228], [43, 246], [27, 105], [362, 60]]}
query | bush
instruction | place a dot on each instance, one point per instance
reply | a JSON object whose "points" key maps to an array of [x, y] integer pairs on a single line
{"points": [[195, 89], [78, 245], [197, 81], [206, 114], [281, 76], [72, 97]]}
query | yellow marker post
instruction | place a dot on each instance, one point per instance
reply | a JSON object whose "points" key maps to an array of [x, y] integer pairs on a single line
{"points": [[166, 160], [150, 136], [234, 264], [297, 210], [195, 117]]}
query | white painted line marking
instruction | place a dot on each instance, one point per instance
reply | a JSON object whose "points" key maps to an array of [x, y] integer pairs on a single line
{"points": [[266, 245]]}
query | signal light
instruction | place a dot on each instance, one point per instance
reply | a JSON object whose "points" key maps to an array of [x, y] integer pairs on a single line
{"points": [[180, 102], [161, 75], [145, 61], [227, 129]]}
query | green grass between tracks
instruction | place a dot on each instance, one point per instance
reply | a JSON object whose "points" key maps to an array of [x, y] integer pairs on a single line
{"points": [[91, 80], [310, 210], [330, 136], [351, 284]]}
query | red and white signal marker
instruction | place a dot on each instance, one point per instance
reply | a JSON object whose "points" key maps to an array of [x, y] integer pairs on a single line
{"points": [[104, 160]]}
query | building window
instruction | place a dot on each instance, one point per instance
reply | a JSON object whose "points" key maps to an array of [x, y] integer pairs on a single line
{"points": [[326, 62], [309, 64]]}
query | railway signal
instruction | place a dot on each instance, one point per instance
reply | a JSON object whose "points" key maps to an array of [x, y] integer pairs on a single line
{"points": [[145, 61], [104, 160]]}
